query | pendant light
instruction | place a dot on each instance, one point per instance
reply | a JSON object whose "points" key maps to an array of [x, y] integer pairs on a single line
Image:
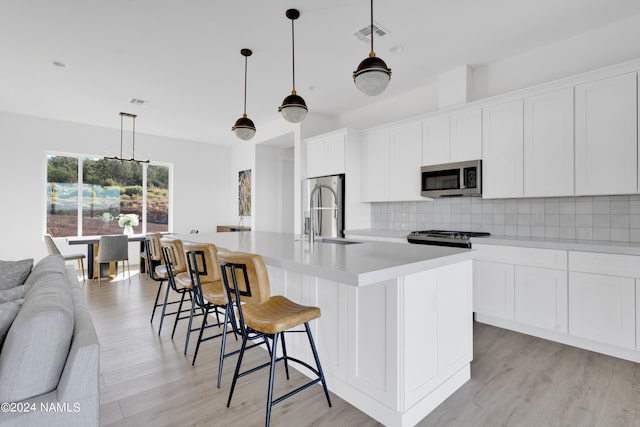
{"points": [[372, 76], [133, 133], [244, 127], [293, 108]]}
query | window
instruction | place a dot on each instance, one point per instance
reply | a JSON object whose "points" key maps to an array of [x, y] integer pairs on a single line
{"points": [[86, 196]]}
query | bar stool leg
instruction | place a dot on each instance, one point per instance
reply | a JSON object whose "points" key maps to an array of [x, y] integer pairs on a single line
{"points": [[272, 369], [175, 323], [317, 359], [164, 308], [284, 353], [193, 309], [204, 322], [237, 371], [155, 304]]}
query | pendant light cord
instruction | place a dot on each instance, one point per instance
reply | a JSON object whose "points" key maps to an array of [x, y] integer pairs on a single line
{"points": [[245, 86], [372, 28], [293, 55], [121, 133]]}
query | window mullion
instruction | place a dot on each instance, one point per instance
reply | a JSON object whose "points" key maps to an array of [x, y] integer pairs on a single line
{"points": [[80, 195]]}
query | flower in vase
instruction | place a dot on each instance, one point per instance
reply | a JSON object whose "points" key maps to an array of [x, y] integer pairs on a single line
{"points": [[128, 220]]}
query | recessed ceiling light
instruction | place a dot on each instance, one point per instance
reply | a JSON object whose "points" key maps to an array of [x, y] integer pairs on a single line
{"points": [[59, 64], [313, 88], [397, 48]]}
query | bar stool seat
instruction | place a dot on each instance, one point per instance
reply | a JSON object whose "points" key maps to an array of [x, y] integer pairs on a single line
{"points": [[277, 314], [214, 292]]}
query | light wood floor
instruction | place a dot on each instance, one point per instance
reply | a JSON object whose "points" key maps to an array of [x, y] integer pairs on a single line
{"points": [[517, 380]]}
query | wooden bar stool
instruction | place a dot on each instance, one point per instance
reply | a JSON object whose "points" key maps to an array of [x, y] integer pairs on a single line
{"points": [[263, 317], [208, 291]]}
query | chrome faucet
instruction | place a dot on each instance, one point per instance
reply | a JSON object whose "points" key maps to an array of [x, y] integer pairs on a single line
{"points": [[312, 208]]}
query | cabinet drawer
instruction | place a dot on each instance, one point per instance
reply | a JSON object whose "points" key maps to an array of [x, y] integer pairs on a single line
{"points": [[609, 264], [532, 257]]}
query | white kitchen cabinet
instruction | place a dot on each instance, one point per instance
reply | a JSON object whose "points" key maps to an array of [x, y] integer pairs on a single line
{"points": [[435, 140], [606, 157], [502, 150], [326, 155], [493, 291], [391, 164], [602, 308], [466, 136], [375, 167], [541, 298], [548, 144]]}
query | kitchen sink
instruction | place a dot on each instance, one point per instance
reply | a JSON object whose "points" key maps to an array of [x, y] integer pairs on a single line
{"points": [[337, 241]]}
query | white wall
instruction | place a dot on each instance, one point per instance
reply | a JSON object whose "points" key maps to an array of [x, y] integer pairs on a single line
{"points": [[598, 48], [274, 191], [200, 177]]}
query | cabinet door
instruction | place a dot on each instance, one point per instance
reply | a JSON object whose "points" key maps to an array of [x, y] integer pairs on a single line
{"points": [[334, 157], [466, 136], [548, 144], [602, 308], [502, 163], [606, 136], [541, 298], [375, 167], [405, 158], [435, 140], [493, 289], [326, 156]]}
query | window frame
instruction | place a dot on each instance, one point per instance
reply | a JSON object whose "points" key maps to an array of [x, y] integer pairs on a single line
{"points": [[80, 184]]}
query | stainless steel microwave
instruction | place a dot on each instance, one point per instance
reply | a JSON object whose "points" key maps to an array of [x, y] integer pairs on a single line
{"points": [[452, 179]]}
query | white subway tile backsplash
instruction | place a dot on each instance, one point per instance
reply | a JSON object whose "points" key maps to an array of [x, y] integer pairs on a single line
{"points": [[587, 218]]}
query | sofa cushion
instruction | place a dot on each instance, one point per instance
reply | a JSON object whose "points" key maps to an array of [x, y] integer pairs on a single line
{"points": [[14, 273], [8, 311], [37, 344], [12, 294], [49, 265]]}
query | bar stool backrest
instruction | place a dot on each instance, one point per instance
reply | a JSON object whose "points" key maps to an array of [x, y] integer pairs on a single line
{"points": [[245, 276], [206, 255], [175, 254], [153, 239]]}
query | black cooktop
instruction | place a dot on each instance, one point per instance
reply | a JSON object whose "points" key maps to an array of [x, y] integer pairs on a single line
{"points": [[445, 237]]}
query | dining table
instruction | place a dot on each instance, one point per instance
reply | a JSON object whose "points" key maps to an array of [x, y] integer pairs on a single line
{"points": [[92, 249]]}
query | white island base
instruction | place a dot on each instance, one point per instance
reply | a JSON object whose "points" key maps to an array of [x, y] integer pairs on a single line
{"points": [[394, 349]]}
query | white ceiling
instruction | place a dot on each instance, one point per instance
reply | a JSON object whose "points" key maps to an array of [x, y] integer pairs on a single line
{"points": [[184, 56]]}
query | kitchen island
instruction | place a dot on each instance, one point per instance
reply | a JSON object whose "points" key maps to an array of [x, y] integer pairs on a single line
{"points": [[395, 335]]}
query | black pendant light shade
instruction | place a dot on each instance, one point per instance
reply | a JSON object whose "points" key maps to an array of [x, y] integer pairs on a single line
{"points": [[244, 127], [372, 76], [293, 107]]}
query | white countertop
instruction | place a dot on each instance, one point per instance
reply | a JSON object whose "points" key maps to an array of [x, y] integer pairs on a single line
{"points": [[625, 248], [356, 264], [603, 246]]}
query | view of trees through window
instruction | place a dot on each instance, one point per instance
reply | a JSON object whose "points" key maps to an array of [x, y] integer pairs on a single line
{"points": [[110, 189]]}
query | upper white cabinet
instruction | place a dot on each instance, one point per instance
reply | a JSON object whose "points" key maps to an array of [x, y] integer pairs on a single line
{"points": [[606, 156], [326, 155], [452, 138], [548, 144], [435, 140], [502, 150], [466, 136], [391, 164]]}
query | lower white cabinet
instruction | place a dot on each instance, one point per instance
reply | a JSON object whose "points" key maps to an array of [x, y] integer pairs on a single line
{"points": [[493, 289], [541, 297], [603, 308]]}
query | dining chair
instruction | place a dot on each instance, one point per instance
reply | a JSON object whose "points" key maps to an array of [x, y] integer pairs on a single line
{"points": [[113, 249], [52, 248]]}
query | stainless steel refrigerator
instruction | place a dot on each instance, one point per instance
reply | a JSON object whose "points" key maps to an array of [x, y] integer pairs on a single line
{"points": [[323, 206]]}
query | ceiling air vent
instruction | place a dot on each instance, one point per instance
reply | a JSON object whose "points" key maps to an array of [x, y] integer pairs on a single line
{"points": [[136, 101], [364, 33]]}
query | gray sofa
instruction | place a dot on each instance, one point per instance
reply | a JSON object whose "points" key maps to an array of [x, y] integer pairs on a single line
{"points": [[49, 362]]}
